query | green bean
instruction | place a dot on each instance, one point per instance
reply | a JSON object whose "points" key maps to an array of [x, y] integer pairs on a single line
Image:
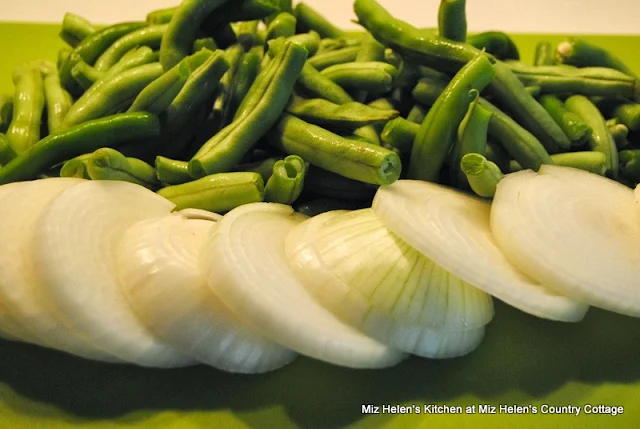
{"points": [[283, 25], [544, 55], [57, 100], [85, 75], [594, 162], [161, 16], [204, 43], [619, 132], [579, 52], [91, 48], [371, 50], [377, 77], [437, 132], [496, 43], [182, 29], [269, 97], [247, 10], [6, 111], [451, 56], [369, 134], [590, 81], [287, 181], [75, 29], [325, 184], [400, 133], [217, 192], [483, 175], [314, 84], [109, 164], [417, 114], [28, 105], [340, 56], [150, 36], [63, 57], [310, 41], [111, 131], [222, 105], [331, 44], [573, 126], [108, 95], [534, 90], [247, 33], [630, 165], [321, 205], [472, 138], [520, 143], [263, 167], [349, 115], [309, 19], [76, 167], [6, 151], [133, 58], [171, 171], [245, 75], [629, 115], [356, 160], [600, 140], [452, 19]]}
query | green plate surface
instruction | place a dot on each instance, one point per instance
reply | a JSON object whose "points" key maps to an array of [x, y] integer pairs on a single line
{"points": [[523, 361]]}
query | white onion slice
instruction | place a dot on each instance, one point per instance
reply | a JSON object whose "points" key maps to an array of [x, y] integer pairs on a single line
{"points": [[77, 238], [245, 264], [574, 232], [339, 257], [158, 267], [452, 229], [21, 210], [10, 326]]}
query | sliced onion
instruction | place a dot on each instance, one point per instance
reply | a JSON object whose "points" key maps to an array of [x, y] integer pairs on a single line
{"points": [[158, 267], [370, 278], [452, 229], [575, 232], [20, 210], [245, 264], [75, 251]]}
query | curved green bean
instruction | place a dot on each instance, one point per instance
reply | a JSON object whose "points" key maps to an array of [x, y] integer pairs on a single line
{"points": [[573, 126], [351, 115], [28, 105], [75, 29], [483, 175], [581, 53], [452, 19], [372, 76], [496, 43], [309, 19], [148, 36]]}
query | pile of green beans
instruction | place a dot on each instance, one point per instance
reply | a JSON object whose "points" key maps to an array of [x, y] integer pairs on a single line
{"points": [[218, 103]]}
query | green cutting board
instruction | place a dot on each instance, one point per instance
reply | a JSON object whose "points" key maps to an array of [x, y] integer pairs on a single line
{"points": [[523, 361]]}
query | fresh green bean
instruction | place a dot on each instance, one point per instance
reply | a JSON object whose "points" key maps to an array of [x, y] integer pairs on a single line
{"points": [[91, 48], [57, 100], [63, 56], [310, 41], [76, 167], [6, 151], [108, 95], [376, 77], [171, 171], [619, 132], [371, 50], [600, 140], [204, 43], [314, 84], [356, 160], [283, 25], [217, 192], [573, 126], [351, 115], [471, 138], [629, 115], [581, 53], [331, 44], [483, 175], [28, 105], [589, 81], [247, 10], [269, 96], [263, 167], [111, 131], [85, 75], [75, 29], [222, 105], [245, 75], [630, 165], [182, 29], [400, 133], [133, 58], [496, 43], [325, 184], [6, 111], [437, 132], [149, 36], [417, 114], [544, 55], [247, 33], [594, 162], [161, 16], [321, 61], [452, 19], [309, 19], [287, 181], [520, 143], [109, 164]]}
